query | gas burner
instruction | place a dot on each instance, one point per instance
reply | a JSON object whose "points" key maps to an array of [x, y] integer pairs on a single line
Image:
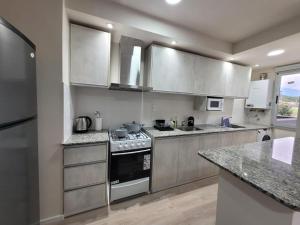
{"points": [[131, 141]]}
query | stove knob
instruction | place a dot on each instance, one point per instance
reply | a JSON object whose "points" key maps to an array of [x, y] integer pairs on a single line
{"points": [[143, 143], [126, 146], [132, 145], [138, 144], [120, 146]]}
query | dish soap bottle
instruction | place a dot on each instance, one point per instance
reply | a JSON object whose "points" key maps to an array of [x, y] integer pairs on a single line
{"points": [[98, 121]]}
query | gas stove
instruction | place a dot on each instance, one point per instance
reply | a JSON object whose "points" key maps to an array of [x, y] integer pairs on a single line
{"points": [[138, 140]]}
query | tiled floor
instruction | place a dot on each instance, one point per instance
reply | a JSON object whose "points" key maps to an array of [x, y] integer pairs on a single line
{"points": [[190, 204]]}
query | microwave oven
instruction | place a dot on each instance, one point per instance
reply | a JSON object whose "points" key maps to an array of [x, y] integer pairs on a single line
{"points": [[214, 104]]}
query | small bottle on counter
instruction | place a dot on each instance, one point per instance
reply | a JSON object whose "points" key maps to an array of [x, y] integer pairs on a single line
{"points": [[98, 121]]}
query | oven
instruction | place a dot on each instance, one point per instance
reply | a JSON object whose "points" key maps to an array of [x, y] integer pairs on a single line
{"points": [[129, 173]]}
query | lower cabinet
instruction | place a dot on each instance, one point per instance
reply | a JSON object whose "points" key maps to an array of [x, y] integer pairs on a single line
{"points": [[84, 199], [164, 170], [176, 160], [85, 178]]}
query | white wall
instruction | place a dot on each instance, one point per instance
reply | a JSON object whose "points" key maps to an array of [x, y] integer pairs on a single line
{"points": [[117, 107], [41, 21]]}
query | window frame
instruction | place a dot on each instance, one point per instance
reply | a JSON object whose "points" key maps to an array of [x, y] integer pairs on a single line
{"points": [[282, 71]]}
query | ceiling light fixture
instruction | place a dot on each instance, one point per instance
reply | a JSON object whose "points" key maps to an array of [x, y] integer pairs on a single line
{"points": [[173, 42], [231, 59], [276, 52], [173, 2], [256, 65], [110, 26]]}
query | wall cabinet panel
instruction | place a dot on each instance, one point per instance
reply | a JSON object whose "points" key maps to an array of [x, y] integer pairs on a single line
{"points": [[89, 56]]}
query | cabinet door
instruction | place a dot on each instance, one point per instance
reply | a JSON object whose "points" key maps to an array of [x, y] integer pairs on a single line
{"points": [[171, 70], [226, 139], [238, 80], [213, 75], [244, 137], [206, 168], [90, 56], [165, 163], [189, 160]]}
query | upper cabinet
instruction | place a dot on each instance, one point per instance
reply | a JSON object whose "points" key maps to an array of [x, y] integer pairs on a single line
{"points": [[175, 71], [90, 56], [170, 70]]}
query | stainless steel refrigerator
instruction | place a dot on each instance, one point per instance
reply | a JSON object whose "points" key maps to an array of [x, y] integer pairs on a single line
{"points": [[19, 182]]}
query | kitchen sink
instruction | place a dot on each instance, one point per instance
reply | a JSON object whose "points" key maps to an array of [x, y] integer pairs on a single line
{"points": [[236, 126], [189, 128]]}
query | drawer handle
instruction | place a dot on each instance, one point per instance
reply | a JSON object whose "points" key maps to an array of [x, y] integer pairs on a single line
{"points": [[129, 153]]}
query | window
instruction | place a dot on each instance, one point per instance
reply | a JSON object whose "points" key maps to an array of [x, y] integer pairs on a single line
{"points": [[287, 93]]}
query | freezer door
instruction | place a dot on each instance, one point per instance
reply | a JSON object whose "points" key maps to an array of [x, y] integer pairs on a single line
{"points": [[19, 186], [17, 76]]}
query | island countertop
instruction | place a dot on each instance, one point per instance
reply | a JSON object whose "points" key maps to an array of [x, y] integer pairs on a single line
{"points": [[272, 167]]}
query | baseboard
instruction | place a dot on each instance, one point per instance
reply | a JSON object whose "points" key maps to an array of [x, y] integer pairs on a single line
{"points": [[51, 220]]}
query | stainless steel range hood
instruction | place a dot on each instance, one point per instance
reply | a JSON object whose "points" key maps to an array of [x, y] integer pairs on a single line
{"points": [[132, 76]]}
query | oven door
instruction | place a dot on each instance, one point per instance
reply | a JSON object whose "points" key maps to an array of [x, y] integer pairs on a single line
{"points": [[130, 165]]}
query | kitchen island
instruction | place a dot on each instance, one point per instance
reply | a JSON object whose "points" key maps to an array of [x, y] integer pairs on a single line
{"points": [[259, 183]]}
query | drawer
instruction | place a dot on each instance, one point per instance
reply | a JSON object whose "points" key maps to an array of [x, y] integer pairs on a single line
{"points": [[85, 154], [82, 176], [84, 199]]}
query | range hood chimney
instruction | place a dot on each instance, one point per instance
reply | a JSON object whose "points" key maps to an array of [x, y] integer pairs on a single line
{"points": [[131, 68]]}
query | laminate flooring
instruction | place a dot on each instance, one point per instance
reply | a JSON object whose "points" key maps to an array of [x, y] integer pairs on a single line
{"points": [[190, 204]]}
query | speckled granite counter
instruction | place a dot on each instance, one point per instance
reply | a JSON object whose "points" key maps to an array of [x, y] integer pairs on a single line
{"points": [[87, 138], [206, 128], [272, 167]]}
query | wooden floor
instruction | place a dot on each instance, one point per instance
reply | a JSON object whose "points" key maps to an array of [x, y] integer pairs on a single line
{"points": [[190, 204]]}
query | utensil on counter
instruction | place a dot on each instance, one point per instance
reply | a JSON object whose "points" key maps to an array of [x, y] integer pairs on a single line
{"points": [[161, 125], [133, 127], [82, 124], [98, 121], [191, 121], [121, 132]]}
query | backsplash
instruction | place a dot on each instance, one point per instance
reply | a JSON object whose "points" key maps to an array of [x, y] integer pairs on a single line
{"points": [[118, 107]]}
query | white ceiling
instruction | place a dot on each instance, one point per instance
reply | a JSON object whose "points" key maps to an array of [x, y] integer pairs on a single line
{"points": [[229, 20]]}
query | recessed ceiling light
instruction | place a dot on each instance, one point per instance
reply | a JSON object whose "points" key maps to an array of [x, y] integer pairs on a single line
{"points": [[231, 59], [173, 42], [110, 26], [276, 52], [173, 2], [256, 65]]}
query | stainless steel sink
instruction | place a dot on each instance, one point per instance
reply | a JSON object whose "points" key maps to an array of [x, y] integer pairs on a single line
{"points": [[236, 126], [189, 128]]}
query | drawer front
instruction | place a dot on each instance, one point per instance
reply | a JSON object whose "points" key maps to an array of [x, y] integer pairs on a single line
{"points": [[84, 199], [78, 155], [81, 176]]}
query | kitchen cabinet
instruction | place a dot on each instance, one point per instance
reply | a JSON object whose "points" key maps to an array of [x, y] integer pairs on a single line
{"points": [[260, 94], [175, 71], [85, 177], [176, 160], [210, 77], [171, 70], [237, 80], [165, 160], [243, 137], [89, 56], [190, 165]]}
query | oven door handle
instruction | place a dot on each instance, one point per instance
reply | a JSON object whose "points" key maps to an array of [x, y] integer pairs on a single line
{"points": [[129, 153]]}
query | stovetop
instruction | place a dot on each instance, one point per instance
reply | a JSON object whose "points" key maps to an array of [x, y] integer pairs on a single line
{"points": [[136, 136], [130, 142]]}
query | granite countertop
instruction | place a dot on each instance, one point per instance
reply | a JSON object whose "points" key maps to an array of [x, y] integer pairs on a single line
{"points": [[87, 138], [207, 128], [272, 167]]}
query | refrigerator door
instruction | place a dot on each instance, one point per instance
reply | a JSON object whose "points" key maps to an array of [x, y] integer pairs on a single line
{"points": [[17, 75], [19, 186]]}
